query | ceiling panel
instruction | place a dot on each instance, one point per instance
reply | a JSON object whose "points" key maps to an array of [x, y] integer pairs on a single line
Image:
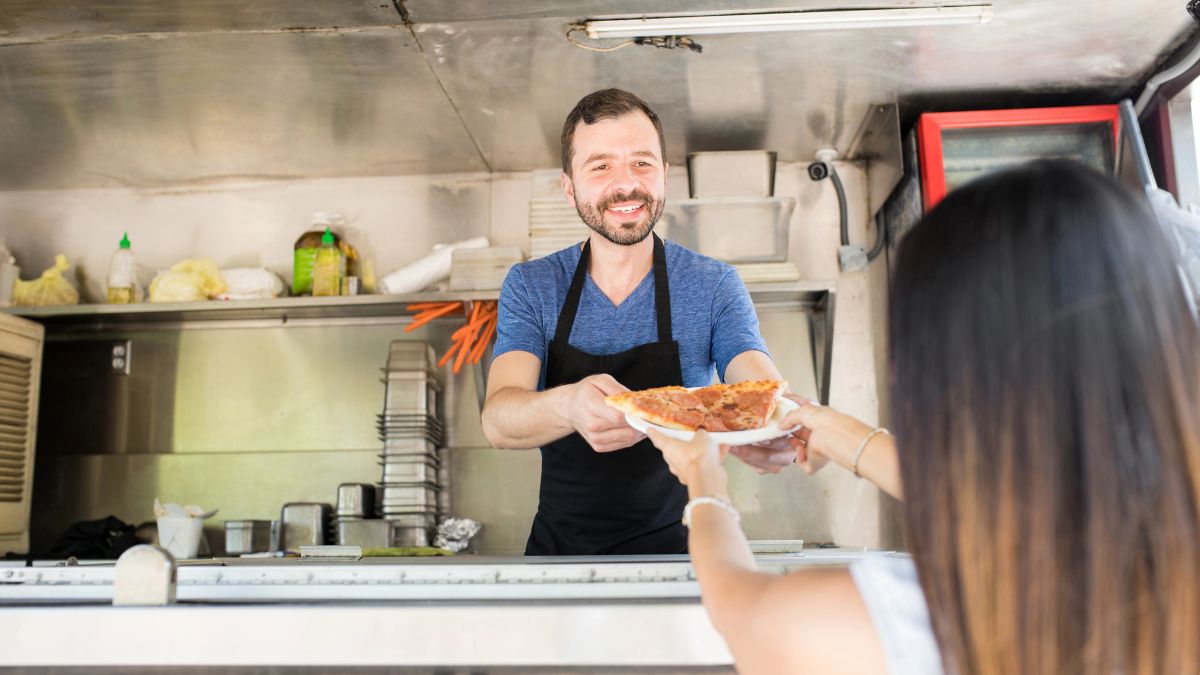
{"points": [[27, 20], [166, 92], [220, 106], [514, 81]]}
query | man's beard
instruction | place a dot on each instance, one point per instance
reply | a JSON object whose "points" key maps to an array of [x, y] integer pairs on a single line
{"points": [[626, 234]]}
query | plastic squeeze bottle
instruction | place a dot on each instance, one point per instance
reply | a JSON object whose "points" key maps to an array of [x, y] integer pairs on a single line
{"points": [[122, 278], [304, 254], [328, 267]]}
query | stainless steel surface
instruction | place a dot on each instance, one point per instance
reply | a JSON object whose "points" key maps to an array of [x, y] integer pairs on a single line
{"points": [[247, 536], [260, 90], [152, 432], [1182, 118], [408, 498], [411, 536], [733, 173], [741, 92], [280, 311], [878, 144], [651, 634], [419, 472], [304, 524], [458, 578], [370, 533], [280, 102], [144, 575], [356, 499]]}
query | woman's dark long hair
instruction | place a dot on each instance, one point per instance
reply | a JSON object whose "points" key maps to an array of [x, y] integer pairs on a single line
{"points": [[1046, 393]]}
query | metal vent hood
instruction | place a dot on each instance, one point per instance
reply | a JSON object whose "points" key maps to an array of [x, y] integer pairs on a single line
{"points": [[154, 93]]}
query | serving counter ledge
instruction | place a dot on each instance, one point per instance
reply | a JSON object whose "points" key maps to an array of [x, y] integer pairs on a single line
{"points": [[468, 611]]}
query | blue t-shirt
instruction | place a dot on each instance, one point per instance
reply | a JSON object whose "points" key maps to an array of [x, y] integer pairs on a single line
{"points": [[712, 316]]}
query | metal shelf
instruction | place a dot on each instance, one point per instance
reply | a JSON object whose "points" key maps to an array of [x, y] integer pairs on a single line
{"points": [[275, 309], [796, 293]]}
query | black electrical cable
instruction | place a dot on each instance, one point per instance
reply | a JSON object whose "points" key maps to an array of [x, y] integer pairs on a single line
{"points": [[880, 224], [841, 197]]}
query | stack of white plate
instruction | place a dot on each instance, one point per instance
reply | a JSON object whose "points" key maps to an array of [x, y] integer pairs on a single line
{"points": [[482, 269], [761, 273], [553, 225], [412, 432]]}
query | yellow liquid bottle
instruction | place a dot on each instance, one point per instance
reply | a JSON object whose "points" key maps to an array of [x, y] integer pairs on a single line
{"points": [[327, 268]]}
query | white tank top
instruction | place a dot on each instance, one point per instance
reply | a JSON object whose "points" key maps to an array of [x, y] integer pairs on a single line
{"points": [[889, 588]]}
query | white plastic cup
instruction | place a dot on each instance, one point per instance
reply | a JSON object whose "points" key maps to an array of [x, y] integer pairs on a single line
{"points": [[180, 535]]}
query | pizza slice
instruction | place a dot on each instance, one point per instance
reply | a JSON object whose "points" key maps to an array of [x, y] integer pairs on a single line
{"points": [[720, 407], [746, 405], [670, 407]]}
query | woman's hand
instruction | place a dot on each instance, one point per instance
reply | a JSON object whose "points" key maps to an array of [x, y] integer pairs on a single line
{"points": [[821, 434], [696, 463]]}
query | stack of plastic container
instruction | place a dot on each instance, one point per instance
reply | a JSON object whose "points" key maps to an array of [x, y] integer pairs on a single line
{"points": [[415, 486], [553, 223], [482, 269]]}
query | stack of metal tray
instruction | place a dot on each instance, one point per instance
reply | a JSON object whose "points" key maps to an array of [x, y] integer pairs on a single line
{"points": [[411, 428]]}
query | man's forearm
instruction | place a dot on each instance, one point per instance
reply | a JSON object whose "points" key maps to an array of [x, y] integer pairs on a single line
{"points": [[517, 419], [751, 365]]}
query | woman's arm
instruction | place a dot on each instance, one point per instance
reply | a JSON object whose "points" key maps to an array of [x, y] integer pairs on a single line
{"points": [[823, 434], [811, 621]]}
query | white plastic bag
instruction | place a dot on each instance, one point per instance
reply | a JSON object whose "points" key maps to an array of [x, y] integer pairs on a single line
{"points": [[249, 283]]}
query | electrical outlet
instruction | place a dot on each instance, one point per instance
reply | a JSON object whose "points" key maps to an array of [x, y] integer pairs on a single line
{"points": [[122, 354]]}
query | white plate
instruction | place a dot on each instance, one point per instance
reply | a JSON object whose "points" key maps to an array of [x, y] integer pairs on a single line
{"points": [[772, 430]]}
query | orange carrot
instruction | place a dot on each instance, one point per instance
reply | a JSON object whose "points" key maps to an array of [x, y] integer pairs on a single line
{"points": [[481, 346], [431, 314], [448, 354]]}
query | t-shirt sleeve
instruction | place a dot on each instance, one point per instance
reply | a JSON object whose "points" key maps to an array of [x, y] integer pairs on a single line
{"points": [[735, 324], [519, 328]]}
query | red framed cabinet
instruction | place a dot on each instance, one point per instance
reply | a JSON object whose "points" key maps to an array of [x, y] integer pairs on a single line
{"points": [[955, 147]]}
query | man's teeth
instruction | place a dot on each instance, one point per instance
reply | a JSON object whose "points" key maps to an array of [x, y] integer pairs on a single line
{"points": [[627, 209]]}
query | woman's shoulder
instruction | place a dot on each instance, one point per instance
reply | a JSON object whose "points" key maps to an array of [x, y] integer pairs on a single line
{"points": [[891, 591]]}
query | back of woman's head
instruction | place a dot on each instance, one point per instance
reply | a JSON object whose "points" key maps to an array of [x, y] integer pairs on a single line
{"points": [[1046, 390]]}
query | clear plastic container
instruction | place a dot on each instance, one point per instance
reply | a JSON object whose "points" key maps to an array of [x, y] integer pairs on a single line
{"points": [[733, 229]]}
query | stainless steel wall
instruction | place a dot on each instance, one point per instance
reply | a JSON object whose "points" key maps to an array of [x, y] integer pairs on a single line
{"points": [[245, 417]]}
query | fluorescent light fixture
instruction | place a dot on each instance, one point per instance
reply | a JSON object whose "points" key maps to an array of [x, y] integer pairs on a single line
{"points": [[838, 19]]}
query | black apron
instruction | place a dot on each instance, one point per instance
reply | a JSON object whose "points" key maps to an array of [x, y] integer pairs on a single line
{"points": [[620, 502]]}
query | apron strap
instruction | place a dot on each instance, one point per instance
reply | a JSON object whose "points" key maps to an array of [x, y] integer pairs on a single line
{"points": [[566, 315], [662, 294]]}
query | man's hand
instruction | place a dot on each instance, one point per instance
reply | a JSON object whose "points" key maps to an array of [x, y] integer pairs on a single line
{"points": [[603, 428], [770, 456]]}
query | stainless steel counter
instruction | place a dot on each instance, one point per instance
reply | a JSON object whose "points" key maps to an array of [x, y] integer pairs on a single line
{"points": [[465, 611]]}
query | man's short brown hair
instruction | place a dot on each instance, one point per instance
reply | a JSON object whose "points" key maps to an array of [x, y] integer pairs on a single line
{"points": [[605, 104]]}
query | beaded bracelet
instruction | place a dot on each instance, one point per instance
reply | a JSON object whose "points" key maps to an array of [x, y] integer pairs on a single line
{"points": [[863, 446], [715, 501]]}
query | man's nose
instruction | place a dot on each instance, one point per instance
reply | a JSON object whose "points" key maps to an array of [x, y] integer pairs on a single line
{"points": [[624, 179]]}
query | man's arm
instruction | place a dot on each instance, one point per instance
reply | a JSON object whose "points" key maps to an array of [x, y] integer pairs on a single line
{"points": [[751, 365], [517, 416], [769, 456]]}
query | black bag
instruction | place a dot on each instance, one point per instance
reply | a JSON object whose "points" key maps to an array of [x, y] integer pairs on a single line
{"points": [[104, 539]]}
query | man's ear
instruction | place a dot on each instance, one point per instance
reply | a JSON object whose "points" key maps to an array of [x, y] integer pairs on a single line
{"points": [[568, 188]]}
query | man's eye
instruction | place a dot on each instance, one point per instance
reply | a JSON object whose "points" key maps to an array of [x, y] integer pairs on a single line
{"points": [[600, 167]]}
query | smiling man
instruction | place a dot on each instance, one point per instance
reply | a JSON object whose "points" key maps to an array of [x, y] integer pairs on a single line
{"points": [[624, 310]]}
